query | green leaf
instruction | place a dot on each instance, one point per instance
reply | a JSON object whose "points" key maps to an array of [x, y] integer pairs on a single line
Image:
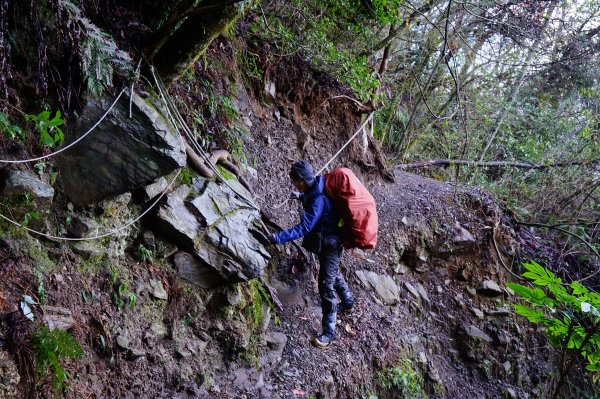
{"points": [[534, 316]]}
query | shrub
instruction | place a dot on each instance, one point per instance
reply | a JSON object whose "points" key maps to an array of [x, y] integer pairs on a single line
{"points": [[571, 314]]}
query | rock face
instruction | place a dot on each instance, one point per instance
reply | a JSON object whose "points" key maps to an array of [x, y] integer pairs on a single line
{"points": [[209, 221], [122, 153]]}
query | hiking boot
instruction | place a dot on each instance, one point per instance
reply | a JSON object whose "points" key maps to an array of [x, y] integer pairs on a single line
{"points": [[345, 307], [322, 341]]}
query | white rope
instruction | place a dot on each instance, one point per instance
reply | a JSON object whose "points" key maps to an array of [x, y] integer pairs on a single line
{"points": [[70, 145], [178, 118], [111, 232], [346, 145], [361, 128]]}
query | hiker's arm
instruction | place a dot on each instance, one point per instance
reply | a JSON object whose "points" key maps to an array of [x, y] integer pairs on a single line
{"points": [[309, 220]]}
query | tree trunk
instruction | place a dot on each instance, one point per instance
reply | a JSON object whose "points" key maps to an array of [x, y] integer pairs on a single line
{"points": [[200, 26]]}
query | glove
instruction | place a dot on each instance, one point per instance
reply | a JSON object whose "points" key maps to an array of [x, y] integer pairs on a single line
{"points": [[271, 239], [295, 195]]}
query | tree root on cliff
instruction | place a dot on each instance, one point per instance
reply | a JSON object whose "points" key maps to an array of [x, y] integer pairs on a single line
{"points": [[219, 157]]}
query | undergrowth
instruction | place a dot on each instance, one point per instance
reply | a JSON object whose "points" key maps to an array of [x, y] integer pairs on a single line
{"points": [[50, 347]]}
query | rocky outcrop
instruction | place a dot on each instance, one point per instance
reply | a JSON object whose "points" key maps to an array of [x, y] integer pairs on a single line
{"points": [[211, 222], [26, 194], [122, 153]]}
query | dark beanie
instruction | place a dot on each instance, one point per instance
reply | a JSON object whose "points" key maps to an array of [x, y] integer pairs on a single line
{"points": [[303, 170]]}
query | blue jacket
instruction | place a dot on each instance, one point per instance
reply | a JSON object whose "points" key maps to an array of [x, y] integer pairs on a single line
{"points": [[319, 215]]}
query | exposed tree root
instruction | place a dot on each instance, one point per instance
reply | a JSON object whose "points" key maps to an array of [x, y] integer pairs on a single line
{"points": [[219, 157]]}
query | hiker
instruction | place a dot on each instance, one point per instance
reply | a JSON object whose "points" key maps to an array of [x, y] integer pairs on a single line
{"points": [[322, 235]]}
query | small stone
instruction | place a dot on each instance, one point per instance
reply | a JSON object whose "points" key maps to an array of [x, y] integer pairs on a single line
{"points": [[247, 121], [404, 221], [422, 358], [472, 291], [411, 288], [276, 340], [183, 353], [123, 342], [159, 330], [277, 115], [234, 297], [135, 353], [511, 392], [507, 367], [158, 291], [489, 288], [148, 239], [439, 289], [401, 268], [500, 312], [476, 312], [463, 275], [57, 317], [422, 293], [328, 379]]}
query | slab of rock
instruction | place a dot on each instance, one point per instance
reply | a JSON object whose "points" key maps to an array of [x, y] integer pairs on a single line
{"points": [[211, 222], [489, 288], [422, 293], [122, 153], [57, 317], [474, 332], [196, 271], [14, 183], [384, 286]]}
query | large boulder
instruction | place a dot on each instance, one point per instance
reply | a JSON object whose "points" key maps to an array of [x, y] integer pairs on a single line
{"points": [[121, 153], [210, 221]]}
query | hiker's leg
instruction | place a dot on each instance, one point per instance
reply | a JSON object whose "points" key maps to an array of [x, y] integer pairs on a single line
{"points": [[329, 260], [341, 287]]}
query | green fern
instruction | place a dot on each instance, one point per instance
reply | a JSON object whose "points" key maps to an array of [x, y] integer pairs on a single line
{"points": [[100, 56], [50, 346]]}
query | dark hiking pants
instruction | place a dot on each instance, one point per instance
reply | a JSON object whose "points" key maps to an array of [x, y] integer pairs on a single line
{"points": [[331, 282]]}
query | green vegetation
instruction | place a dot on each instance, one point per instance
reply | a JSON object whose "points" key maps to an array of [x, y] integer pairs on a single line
{"points": [[50, 347], [144, 254], [185, 176], [570, 313], [9, 130], [122, 297], [401, 381], [48, 128]]}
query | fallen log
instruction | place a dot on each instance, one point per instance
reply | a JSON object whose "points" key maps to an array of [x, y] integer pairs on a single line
{"points": [[492, 164]]}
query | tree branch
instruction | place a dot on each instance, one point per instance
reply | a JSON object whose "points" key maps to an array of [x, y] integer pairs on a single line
{"points": [[493, 164]]}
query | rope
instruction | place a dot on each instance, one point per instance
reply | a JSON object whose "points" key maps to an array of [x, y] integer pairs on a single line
{"points": [[176, 119], [111, 232], [347, 143], [73, 143]]}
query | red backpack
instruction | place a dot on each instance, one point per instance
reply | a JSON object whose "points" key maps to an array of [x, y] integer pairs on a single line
{"points": [[355, 205]]}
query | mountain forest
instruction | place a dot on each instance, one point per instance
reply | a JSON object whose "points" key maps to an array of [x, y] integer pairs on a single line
{"points": [[145, 157]]}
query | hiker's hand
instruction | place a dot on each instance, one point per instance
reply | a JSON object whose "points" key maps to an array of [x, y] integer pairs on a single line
{"points": [[271, 239], [295, 195]]}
